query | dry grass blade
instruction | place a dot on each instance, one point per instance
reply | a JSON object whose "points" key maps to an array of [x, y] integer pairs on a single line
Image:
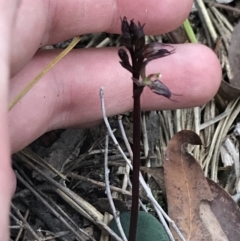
{"points": [[37, 159], [99, 184], [25, 223], [42, 73], [219, 134], [21, 228], [126, 175], [74, 200], [48, 206], [208, 20]]}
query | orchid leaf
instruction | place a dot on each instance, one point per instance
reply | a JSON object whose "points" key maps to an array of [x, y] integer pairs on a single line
{"points": [[148, 229]]}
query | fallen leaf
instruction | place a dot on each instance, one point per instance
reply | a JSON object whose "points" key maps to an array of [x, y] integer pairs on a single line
{"points": [[186, 187], [157, 174], [178, 35], [234, 56], [231, 90], [228, 92], [211, 223], [226, 211]]}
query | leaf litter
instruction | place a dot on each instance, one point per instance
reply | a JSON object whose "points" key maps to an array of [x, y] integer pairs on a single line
{"points": [[186, 186]]}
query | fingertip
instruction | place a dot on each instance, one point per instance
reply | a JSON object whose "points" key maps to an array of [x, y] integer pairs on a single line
{"points": [[205, 69], [194, 72], [159, 16]]}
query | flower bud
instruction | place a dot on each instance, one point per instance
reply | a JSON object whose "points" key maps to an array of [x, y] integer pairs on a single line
{"points": [[126, 35], [138, 36], [125, 60], [123, 55], [133, 35]]}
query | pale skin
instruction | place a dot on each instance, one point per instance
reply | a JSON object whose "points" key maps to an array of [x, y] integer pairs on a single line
{"points": [[69, 95]]}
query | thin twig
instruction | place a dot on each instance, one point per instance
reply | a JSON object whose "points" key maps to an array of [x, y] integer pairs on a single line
{"points": [[21, 228], [88, 208], [108, 192], [109, 127], [69, 222], [99, 184], [107, 218], [27, 226], [37, 195], [223, 6], [158, 208]]}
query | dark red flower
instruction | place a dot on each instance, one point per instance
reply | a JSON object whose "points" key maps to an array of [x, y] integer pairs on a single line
{"points": [[141, 54]]}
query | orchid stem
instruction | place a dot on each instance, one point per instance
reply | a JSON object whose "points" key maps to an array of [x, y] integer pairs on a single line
{"points": [[136, 162], [141, 53]]}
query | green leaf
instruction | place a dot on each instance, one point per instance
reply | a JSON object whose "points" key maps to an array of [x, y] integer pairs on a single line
{"points": [[148, 229]]}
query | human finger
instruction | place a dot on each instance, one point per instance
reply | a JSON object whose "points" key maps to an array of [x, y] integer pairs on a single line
{"points": [[40, 23], [7, 179], [69, 94]]}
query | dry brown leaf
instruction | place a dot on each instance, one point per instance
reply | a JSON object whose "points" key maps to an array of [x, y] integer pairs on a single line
{"points": [[189, 195], [228, 92], [234, 56], [157, 174], [226, 211], [186, 187], [178, 35], [231, 90], [211, 223]]}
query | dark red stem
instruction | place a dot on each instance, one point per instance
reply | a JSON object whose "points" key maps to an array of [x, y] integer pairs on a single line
{"points": [[136, 151], [136, 163]]}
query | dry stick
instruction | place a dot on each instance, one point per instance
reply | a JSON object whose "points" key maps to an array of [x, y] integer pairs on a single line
{"points": [[107, 217], [55, 188], [28, 227], [21, 228], [56, 235], [37, 195], [148, 191], [65, 215], [40, 161], [140, 202], [101, 93], [76, 198], [108, 191], [227, 7], [99, 184]]}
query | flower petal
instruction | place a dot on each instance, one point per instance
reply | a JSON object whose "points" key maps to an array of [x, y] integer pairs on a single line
{"points": [[157, 50], [159, 88]]}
